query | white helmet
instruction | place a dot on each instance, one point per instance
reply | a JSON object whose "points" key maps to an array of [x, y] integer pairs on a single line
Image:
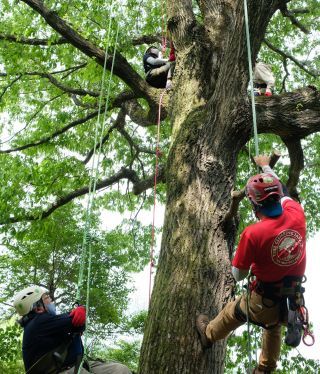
{"points": [[24, 300]]}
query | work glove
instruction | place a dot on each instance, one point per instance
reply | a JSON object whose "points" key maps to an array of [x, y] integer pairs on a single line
{"points": [[268, 92], [78, 316]]}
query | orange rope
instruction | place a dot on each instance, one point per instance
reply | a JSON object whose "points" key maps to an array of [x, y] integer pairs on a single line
{"points": [[158, 153]]}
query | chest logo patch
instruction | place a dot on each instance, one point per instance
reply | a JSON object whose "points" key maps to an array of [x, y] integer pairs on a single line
{"points": [[287, 248]]}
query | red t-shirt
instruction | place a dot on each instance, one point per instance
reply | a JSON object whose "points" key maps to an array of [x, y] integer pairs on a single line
{"points": [[275, 247]]}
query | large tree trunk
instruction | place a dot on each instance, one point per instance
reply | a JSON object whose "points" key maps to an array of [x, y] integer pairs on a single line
{"points": [[209, 129]]}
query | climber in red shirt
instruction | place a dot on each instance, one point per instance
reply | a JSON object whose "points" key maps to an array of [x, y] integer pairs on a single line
{"points": [[273, 250]]}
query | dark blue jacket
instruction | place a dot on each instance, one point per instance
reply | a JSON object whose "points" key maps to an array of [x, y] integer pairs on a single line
{"points": [[44, 332]]}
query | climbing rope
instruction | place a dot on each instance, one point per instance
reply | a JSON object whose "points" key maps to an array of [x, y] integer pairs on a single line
{"points": [[158, 154], [248, 322], [94, 166], [164, 30], [253, 106], [256, 144], [86, 250]]}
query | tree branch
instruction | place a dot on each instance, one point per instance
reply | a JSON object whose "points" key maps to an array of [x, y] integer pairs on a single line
{"points": [[293, 59], [9, 86], [285, 66], [62, 87], [290, 14], [119, 122], [296, 165], [34, 41], [147, 39], [132, 144], [295, 114], [54, 135], [138, 187], [138, 115], [142, 185]]}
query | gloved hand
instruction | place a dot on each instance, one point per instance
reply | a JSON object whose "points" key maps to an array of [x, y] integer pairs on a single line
{"points": [[268, 92], [78, 316]]}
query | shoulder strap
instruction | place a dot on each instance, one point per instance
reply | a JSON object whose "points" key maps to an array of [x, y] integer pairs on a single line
{"points": [[52, 361]]}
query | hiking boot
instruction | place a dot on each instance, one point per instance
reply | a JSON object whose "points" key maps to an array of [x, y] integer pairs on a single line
{"points": [[202, 322]]}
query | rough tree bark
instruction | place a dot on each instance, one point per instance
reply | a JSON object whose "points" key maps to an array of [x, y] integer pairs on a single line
{"points": [[210, 126]]}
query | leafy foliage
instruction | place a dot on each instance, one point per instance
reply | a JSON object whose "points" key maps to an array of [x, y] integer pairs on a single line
{"points": [[49, 96], [10, 349], [238, 353]]}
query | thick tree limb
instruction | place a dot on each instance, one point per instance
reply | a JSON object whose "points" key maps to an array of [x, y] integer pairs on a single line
{"points": [[147, 39], [138, 115], [121, 66], [145, 184], [138, 187], [296, 165], [33, 41], [295, 114], [293, 59]]}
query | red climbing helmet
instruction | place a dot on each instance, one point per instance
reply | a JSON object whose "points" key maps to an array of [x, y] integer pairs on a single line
{"points": [[261, 186]]}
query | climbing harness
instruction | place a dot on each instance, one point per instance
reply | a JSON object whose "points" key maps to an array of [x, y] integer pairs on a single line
{"points": [[158, 154], [288, 293]]}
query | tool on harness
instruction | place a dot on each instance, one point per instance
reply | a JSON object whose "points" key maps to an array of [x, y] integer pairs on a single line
{"points": [[294, 328], [289, 294]]}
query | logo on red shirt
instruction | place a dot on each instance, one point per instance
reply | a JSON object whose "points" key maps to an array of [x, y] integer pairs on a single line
{"points": [[287, 248]]}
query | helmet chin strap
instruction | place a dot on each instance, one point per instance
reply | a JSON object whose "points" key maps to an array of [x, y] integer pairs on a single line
{"points": [[256, 209]]}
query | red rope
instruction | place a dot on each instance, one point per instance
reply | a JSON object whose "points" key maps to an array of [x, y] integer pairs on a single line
{"points": [[158, 153], [308, 338], [164, 27]]}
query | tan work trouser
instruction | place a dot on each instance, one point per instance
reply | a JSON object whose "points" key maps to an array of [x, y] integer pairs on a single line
{"points": [[261, 311]]}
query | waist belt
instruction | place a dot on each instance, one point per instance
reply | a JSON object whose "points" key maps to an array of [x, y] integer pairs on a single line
{"points": [[289, 287]]}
